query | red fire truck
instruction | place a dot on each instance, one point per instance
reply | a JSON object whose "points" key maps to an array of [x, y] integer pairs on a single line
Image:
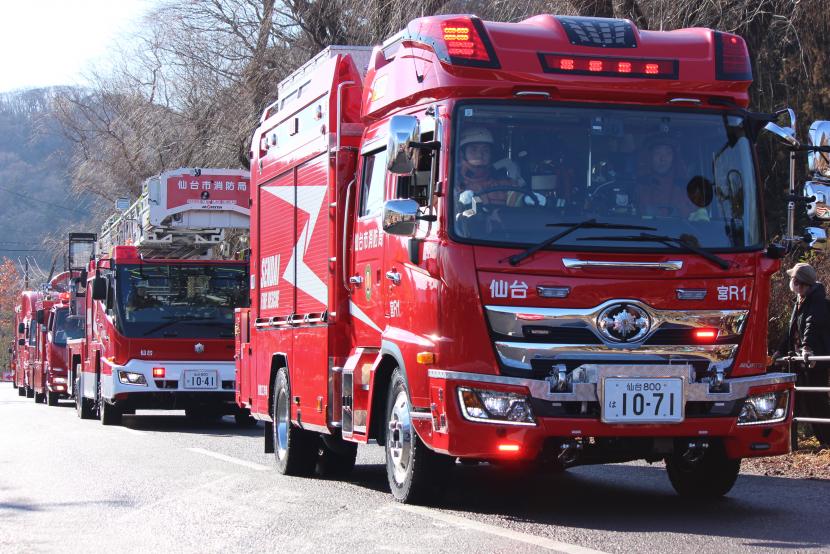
{"points": [[27, 329], [47, 363], [536, 242], [158, 301]]}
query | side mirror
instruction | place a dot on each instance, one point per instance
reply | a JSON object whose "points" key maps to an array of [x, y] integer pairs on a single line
{"points": [[776, 251], [787, 132], [99, 288], [21, 328], [816, 238], [43, 328], [400, 217], [21, 342], [403, 131], [819, 162], [817, 195], [39, 316]]}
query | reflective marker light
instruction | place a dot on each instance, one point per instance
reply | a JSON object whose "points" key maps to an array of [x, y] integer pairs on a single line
{"points": [[609, 66], [705, 335], [492, 406], [769, 407], [508, 448], [158, 372]]}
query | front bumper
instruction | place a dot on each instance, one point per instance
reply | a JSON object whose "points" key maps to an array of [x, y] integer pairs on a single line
{"points": [[708, 414], [170, 391]]}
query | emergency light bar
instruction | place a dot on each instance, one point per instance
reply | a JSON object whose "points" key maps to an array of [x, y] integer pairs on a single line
{"points": [[465, 42], [605, 66], [731, 58]]}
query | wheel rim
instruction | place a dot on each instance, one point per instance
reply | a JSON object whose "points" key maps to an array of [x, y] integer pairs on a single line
{"points": [[281, 424], [399, 438]]}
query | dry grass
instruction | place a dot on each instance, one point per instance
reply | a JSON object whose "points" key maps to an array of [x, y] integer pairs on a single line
{"points": [[810, 461]]}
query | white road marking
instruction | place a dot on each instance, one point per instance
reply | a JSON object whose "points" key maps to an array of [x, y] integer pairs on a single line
{"points": [[230, 459], [464, 523]]}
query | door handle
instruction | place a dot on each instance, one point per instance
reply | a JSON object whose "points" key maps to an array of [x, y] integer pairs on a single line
{"points": [[356, 280], [394, 276]]}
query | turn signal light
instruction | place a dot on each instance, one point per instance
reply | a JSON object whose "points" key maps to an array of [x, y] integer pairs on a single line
{"points": [[158, 372]]}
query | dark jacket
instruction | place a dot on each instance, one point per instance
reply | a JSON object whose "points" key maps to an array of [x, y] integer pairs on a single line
{"points": [[811, 321]]}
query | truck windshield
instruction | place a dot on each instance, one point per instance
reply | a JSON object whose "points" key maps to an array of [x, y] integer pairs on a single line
{"points": [[67, 327], [521, 172], [181, 301]]}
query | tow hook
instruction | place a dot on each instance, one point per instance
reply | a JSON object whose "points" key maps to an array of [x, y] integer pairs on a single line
{"points": [[569, 452], [695, 451], [558, 378]]}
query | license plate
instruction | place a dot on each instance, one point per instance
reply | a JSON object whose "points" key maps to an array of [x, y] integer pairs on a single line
{"points": [[642, 400], [200, 379]]}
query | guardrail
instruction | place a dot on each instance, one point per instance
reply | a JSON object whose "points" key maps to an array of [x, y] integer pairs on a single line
{"points": [[789, 360]]}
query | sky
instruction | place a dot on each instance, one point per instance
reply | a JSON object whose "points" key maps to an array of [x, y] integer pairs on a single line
{"points": [[51, 42]]}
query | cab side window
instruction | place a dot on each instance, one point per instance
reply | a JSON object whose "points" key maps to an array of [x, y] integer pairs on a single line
{"points": [[373, 184]]}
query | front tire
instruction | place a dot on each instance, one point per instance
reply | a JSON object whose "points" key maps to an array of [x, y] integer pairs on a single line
{"points": [[21, 391], [416, 474], [30, 393], [712, 476], [295, 450], [51, 398], [108, 413], [83, 406]]}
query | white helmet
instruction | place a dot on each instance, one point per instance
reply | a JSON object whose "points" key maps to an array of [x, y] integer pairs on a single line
{"points": [[476, 134]]}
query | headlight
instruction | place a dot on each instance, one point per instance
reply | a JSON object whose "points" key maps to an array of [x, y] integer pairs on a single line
{"points": [[131, 378], [769, 407], [495, 406]]}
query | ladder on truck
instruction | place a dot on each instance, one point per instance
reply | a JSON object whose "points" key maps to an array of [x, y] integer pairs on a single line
{"points": [[181, 214]]}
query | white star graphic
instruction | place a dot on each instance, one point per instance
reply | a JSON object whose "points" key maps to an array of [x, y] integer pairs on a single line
{"points": [[310, 200]]}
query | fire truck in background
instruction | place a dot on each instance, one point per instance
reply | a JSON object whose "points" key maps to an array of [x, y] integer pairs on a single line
{"points": [[157, 300], [48, 370], [536, 242], [34, 353]]}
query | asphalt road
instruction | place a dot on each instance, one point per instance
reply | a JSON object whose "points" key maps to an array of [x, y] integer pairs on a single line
{"points": [[162, 484]]}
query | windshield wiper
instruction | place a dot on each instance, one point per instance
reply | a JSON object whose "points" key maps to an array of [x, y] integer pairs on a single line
{"points": [[516, 259], [679, 243]]}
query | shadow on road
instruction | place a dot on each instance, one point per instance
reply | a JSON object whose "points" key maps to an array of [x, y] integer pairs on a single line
{"points": [[27, 506], [182, 424], [770, 512]]}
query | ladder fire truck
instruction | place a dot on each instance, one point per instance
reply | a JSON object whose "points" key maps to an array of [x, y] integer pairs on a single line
{"points": [[157, 300], [537, 242]]}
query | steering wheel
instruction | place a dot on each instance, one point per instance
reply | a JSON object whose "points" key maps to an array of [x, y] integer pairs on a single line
{"points": [[606, 195], [524, 192]]}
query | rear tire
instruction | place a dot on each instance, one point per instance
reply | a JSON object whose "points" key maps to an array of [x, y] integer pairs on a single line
{"points": [[243, 418], [21, 391], [30, 393], [83, 406], [712, 476], [51, 398], [416, 474], [295, 450]]}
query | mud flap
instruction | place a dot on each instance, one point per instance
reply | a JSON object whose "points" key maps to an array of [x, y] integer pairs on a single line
{"points": [[269, 437]]}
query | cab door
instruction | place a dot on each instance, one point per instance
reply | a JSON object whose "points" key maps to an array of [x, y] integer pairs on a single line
{"points": [[366, 304]]}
